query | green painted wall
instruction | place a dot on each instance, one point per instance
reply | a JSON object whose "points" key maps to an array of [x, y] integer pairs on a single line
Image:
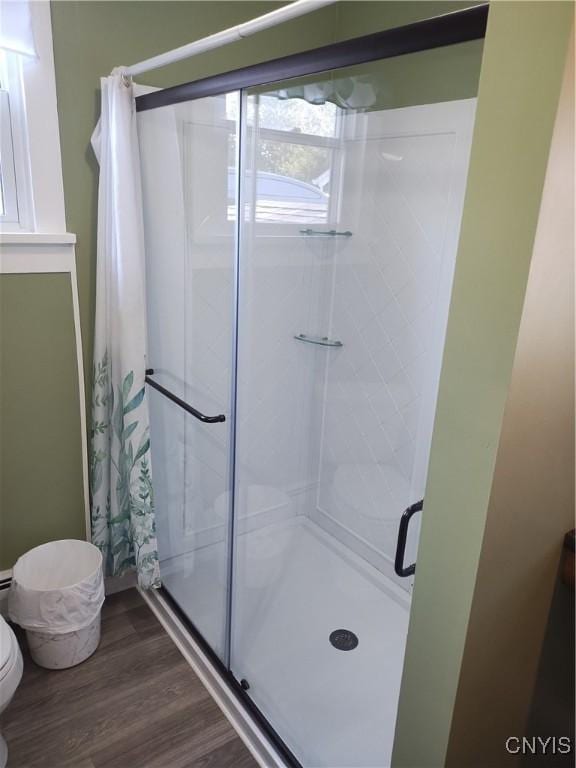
{"points": [[361, 17], [520, 82], [41, 493]]}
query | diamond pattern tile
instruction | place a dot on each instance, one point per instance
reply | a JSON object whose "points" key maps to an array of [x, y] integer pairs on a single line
{"points": [[385, 288]]}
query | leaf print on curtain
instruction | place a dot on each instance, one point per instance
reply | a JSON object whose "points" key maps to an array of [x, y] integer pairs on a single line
{"points": [[122, 499]]}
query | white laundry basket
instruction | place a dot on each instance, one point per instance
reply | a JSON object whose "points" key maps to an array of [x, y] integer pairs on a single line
{"points": [[56, 595]]}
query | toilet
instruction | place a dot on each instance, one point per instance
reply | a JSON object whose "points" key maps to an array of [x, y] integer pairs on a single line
{"points": [[11, 666]]}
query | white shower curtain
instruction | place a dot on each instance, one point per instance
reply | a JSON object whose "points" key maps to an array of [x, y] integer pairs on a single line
{"points": [[122, 503]]}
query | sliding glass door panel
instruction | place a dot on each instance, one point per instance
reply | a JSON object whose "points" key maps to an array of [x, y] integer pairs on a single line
{"points": [[192, 515], [189, 179], [352, 191]]}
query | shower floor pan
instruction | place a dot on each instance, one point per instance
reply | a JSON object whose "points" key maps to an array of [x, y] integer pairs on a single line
{"points": [[295, 586]]}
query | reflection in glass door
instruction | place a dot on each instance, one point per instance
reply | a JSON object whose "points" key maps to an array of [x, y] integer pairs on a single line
{"points": [[350, 217], [189, 178]]}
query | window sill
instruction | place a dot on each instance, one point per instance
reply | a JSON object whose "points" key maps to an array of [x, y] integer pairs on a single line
{"points": [[37, 238]]}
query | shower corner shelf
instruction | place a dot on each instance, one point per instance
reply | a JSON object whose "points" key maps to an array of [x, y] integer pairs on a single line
{"points": [[322, 341]]}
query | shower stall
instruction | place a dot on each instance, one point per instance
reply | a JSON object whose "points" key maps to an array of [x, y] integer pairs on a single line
{"points": [[301, 237]]}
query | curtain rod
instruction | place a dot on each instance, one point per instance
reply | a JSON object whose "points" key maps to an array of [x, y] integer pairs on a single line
{"points": [[231, 35]]}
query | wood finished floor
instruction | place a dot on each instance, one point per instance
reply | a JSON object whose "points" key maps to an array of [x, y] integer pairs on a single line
{"points": [[134, 704]]}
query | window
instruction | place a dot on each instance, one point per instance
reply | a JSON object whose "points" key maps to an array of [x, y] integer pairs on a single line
{"points": [[16, 43], [15, 206], [31, 189], [8, 196], [295, 156]]}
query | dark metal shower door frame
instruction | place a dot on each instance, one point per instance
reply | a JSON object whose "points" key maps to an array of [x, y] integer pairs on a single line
{"points": [[437, 32]]}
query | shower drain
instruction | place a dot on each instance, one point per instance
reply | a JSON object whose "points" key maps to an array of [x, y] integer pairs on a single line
{"points": [[343, 639]]}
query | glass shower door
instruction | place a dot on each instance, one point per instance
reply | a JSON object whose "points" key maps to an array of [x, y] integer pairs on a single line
{"points": [[189, 179], [350, 216]]}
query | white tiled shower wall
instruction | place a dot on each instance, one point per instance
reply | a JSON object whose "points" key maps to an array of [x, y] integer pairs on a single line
{"points": [[395, 199]]}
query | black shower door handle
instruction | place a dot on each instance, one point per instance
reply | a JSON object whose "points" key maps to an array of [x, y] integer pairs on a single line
{"points": [[184, 405], [399, 567]]}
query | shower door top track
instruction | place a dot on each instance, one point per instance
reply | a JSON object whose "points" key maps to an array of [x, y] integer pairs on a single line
{"points": [[437, 32]]}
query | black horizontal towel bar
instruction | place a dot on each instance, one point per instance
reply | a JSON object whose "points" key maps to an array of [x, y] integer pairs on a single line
{"points": [[175, 399]]}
